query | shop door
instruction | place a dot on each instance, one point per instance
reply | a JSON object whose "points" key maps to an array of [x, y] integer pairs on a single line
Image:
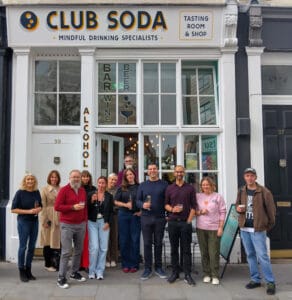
{"points": [[110, 152], [277, 123]]}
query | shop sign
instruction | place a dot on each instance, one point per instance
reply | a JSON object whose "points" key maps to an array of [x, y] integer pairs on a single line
{"points": [[86, 138], [97, 25]]}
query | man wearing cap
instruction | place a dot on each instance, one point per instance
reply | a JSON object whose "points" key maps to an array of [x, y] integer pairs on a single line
{"points": [[256, 208]]}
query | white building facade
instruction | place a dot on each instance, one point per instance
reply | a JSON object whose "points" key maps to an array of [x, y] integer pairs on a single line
{"points": [[93, 82]]}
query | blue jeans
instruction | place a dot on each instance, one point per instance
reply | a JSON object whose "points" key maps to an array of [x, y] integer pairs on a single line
{"points": [[129, 238], [256, 252], [28, 233], [98, 243]]}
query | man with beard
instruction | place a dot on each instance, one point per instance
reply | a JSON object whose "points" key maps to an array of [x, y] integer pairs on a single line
{"points": [[180, 202], [71, 203]]}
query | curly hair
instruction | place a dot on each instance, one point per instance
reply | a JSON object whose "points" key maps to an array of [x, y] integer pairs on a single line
{"points": [[23, 185]]}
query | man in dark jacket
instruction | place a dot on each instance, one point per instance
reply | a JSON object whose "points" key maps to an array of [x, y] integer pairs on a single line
{"points": [[257, 211]]}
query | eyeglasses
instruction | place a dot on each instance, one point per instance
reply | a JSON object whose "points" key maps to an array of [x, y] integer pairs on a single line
{"points": [[128, 161]]}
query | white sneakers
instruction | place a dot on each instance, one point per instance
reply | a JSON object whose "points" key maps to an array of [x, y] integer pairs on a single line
{"points": [[108, 264], [214, 280], [51, 269], [113, 264]]}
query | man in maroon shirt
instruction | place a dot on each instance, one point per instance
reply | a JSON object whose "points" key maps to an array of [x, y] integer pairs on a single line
{"points": [[71, 203], [180, 202]]}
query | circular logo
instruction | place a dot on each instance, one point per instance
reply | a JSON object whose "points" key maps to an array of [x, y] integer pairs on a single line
{"points": [[29, 20]]}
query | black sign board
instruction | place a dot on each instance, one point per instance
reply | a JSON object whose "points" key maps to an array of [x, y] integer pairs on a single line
{"points": [[229, 234]]}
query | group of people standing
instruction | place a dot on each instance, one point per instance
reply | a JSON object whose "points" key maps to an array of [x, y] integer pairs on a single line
{"points": [[92, 217]]}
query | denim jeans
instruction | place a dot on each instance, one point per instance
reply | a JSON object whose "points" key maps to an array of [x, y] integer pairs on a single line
{"points": [[28, 233], [71, 233], [98, 244], [129, 237], [153, 232], [256, 252]]}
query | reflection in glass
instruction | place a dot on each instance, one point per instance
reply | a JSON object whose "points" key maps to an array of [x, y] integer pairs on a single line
{"points": [[277, 80], [168, 110], [207, 111], [45, 76], [189, 81], [193, 178], [150, 76], [206, 84], [209, 152], [106, 77], [107, 109], [104, 157], [168, 152], [190, 111], [151, 110], [168, 76], [127, 77], [151, 150], [45, 109], [127, 109], [69, 109], [70, 74], [191, 152]]}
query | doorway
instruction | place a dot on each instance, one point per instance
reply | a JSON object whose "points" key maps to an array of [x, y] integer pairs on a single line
{"points": [[277, 126]]}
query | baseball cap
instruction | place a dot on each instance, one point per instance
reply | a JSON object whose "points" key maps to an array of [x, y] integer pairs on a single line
{"points": [[250, 170]]}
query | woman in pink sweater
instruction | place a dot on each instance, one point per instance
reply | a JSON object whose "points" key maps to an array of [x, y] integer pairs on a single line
{"points": [[211, 212]]}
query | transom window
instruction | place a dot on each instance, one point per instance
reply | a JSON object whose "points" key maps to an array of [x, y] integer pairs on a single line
{"points": [[57, 93]]}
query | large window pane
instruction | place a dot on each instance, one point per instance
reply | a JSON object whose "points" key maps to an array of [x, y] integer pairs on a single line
{"points": [[150, 75], [209, 152], [168, 76], [189, 81], [106, 77], [206, 84], [277, 80], [151, 150], [168, 110], [127, 77], [70, 74], [190, 111], [107, 109], [45, 76], [168, 152], [127, 109], [69, 109], [192, 152], [207, 111], [151, 110], [45, 109]]}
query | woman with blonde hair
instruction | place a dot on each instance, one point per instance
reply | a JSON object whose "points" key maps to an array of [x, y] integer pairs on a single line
{"points": [[27, 204], [50, 235], [211, 212]]}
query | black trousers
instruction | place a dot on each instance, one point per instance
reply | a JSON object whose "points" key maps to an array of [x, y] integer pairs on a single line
{"points": [[153, 232], [180, 234], [52, 257]]}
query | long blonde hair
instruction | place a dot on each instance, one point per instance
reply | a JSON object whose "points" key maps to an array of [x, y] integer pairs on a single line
{"points": [[23, 182]]}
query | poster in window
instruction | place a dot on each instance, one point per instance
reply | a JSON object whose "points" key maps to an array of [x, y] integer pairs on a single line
{"points": [[191, 161]]}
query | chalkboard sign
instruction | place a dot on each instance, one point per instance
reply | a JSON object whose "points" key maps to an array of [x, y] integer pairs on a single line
{"points": [[229, 233]]}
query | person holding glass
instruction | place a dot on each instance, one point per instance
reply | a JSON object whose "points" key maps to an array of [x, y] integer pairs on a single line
{"points": [[180, 202], [100, 209], [211, 213], [50, 237], [27, 204], [129, 222]]}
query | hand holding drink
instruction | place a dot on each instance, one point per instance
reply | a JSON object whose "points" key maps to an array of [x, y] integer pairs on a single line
{"points": [[178, 208], [241, 207], [147, 203]]}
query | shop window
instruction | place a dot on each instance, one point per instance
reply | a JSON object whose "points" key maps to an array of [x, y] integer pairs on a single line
{"points": [[198, 95], [57, 93], [277, 80], [159, 94], [117, 93]]}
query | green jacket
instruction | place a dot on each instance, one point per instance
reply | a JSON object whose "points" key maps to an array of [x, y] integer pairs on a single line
{"points": [[264, 209]]}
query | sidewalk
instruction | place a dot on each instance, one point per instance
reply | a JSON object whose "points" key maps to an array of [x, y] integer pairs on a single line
{"points": [[120, 286]]}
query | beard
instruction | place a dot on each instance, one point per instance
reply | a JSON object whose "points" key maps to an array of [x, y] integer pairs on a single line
{"points": [[75, 185]]}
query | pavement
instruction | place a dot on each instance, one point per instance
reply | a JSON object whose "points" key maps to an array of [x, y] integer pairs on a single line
{"points": [[119, 286]]}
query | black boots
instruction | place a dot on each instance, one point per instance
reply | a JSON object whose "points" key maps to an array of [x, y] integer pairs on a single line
{"points": [[22, 275], [28, 274], [25, 275]]}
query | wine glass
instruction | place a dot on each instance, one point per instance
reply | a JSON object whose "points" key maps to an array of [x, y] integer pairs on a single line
{"points": [[126, 114], [148, 200]]}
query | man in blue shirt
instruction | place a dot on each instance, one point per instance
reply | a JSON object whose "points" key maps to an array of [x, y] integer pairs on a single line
{"points": [[150, 198]]}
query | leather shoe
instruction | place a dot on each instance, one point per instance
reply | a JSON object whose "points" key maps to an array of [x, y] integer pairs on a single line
{"points": [[173, 277], [189, 280], [253, 285]]}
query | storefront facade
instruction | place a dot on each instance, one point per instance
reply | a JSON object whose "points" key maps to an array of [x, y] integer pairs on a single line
{"points": [[93, 83]]}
